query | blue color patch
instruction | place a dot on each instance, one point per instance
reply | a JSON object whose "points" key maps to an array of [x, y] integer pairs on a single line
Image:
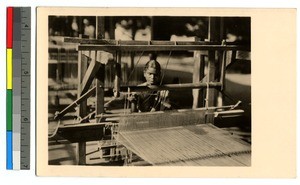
{"points": [[9, 151]]}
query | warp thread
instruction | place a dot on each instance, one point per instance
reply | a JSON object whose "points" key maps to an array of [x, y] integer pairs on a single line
{"points": [[156, 120]]}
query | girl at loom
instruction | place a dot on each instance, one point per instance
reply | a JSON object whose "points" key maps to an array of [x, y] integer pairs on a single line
{"points": [[151, 101]]}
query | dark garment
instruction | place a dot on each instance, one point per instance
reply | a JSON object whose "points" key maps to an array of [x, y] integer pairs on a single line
{"points": [[148, 101], [152, 101]]}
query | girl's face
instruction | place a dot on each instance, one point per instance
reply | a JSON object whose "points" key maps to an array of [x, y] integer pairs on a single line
{"points": [[152, 77]]}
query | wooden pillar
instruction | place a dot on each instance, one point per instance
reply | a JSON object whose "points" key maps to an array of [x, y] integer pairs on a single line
{"points": [[213, 35], [82, 110], [213, 65], [112, 28], [222, 31], [59, 75], [211, 93], [100, 27], [152, 26], [214, 30], [198, 74], [100, 80], [222, 62], [117, 74], [211, 77]]}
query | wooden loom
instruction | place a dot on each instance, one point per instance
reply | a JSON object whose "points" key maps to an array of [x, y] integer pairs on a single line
{"points": [[182, 137]]}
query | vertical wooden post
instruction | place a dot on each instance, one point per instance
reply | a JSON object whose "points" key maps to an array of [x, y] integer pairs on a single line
{"points": [[59, 67], [82, 110], [222, 61], [222, 31], [152, 26], [211, 93], [214, 29], [124, 67], [198, 74], [117, 74], [213, 35], [211, 77], [100, 28], [213, 67], [111, 28], [100, 77], [132, 64]]}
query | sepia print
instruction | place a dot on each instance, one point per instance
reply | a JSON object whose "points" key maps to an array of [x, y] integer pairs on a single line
{"points": [[149, 90]]}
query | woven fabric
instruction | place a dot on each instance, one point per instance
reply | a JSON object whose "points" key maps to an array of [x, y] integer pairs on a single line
{"points": [[189, 145]]}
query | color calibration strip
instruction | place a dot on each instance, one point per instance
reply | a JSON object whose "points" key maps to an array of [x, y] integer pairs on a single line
{"points": [[18, 87], [9, 45]]}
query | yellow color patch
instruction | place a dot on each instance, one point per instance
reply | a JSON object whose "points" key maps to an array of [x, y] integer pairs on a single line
{"points": [[9, 72]]}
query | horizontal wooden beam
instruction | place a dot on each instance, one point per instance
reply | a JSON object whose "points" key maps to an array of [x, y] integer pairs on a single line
{"points": [[162, 112], [88, 41], [133, 42], [89, 93], [82, 132], [170, 87], [112, 48]]}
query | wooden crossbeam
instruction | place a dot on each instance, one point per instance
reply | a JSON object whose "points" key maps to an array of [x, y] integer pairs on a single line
{"points": [[88, 41], [112, 48], [211, 109], [133, 42], [170, 87]]}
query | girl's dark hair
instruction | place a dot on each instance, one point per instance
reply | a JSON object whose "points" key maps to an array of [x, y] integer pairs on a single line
{"points": [[153, 64]]}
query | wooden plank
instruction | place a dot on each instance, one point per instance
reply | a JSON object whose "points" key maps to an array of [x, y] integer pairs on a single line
{"points": [[130, 42], [135, 42], [82, 111], [90, 74], [82, 132], [198, 74], [112, 48], [158, 42], [213, 109], [170, 87], [88, 41]]}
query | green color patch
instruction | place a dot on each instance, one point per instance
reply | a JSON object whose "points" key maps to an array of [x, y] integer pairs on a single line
{"points": [[9, 110]]}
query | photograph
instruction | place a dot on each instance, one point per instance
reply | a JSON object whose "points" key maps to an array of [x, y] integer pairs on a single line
{"points": [[149, 90], [165, 92]]}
